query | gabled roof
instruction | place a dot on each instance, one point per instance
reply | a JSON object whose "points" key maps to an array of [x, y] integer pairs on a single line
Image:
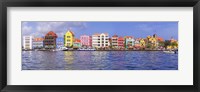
{"points": [[120, 38], [105, 34], [52, 34], [71, 32], [160, 39], [98, 34], [129, 37]]}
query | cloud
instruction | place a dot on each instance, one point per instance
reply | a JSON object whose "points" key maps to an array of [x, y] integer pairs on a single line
{"points": [[79, 25], [59, 27], [26, 29]]}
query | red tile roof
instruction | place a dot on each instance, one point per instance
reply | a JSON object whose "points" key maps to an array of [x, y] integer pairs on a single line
{"points": [[38, 39], [160, 39], [120, 38], [51, 33], [77, 40]]}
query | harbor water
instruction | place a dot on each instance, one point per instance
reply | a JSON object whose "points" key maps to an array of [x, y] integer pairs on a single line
{"points": [[99, 60]]}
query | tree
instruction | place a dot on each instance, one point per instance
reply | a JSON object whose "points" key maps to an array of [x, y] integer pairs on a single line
{"points": [[161, 44], [174, 44], [149, 45], [167, 43]]}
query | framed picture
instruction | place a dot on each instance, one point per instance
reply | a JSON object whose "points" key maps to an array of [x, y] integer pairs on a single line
{"points": [[74, 45]]}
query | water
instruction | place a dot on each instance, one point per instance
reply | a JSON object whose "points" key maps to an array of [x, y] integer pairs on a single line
{"points": [[99, 60]]}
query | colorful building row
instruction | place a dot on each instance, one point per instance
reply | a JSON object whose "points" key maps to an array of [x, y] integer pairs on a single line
{"points": [[98, 40]]}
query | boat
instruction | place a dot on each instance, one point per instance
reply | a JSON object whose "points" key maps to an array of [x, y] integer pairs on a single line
{"points": [[63, 48]]}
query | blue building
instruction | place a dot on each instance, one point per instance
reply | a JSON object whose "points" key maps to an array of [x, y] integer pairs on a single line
{"points": [[59, 42]]}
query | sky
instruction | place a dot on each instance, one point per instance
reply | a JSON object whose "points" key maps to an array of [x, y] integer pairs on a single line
{"points": [[166, 30]]}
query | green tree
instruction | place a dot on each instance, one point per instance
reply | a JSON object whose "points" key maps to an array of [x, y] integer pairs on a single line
{"points": [[174, 44], [167, 43], [161, 44], [149, 45]]}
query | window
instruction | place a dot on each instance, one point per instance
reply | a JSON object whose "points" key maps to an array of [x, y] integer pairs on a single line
{"points": [[68, 36]]}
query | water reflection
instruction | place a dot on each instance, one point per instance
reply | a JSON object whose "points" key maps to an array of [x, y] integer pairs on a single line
{"points": [[99, 60], [69, 57]]}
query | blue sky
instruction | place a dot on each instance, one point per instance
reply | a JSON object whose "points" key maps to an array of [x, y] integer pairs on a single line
{"points": [[165, 30]]}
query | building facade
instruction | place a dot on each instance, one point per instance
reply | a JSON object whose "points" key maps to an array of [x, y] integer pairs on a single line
{"points": [[38, 43], [100, 40], [95, 40], [50, 40], [68, 39], [129, 41], [59, 42], [27, 42], [174, 43], [120, 42], [77, 43], [86, 41], [137, 43], [152, 40], [114, 41], [142, 43]]}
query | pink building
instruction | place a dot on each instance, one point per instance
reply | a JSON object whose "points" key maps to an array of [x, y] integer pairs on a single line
{"points": [[86, 40]]}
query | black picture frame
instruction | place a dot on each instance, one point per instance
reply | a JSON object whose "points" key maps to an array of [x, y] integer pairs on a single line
{"points": [[99, 3]]}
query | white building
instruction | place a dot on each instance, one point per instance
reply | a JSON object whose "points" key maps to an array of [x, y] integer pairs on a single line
{"points": [[27, 42], [100, 40]]}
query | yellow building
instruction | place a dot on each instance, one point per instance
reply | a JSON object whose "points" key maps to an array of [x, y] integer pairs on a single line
{"points": [[142, 43], [152, 40], [68, 38]]}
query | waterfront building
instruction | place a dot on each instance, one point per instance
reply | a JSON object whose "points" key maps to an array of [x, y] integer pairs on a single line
{"points": [[174, 43], [77, 43], [172, 40], [69, 39], [160, 39], [120, 42], [161, 43], [86, 41], [152, 40], [59, 42], [129, 41], [100, 40], [95, 40], [27, 42], [142, 43], [114, 41], [137, 43], [38, 43], [50, 40]]}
